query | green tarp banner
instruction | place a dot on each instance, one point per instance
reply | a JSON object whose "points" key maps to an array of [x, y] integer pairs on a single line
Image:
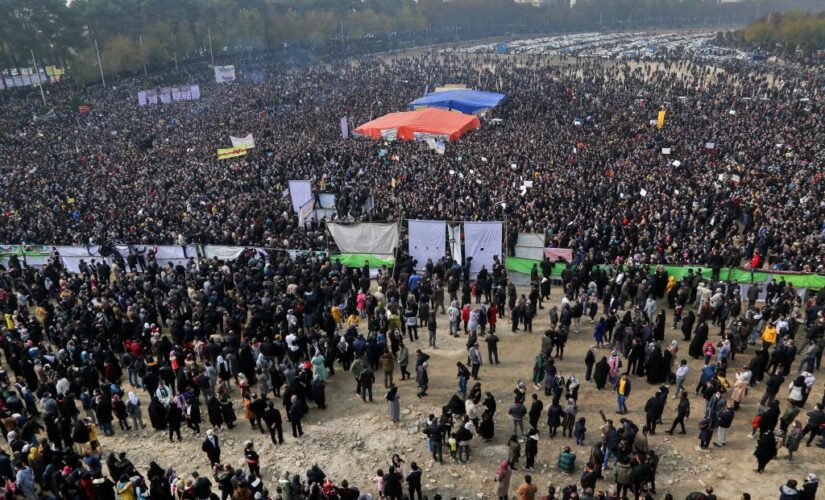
{"points": [[357, 260], [811, 281], [29, 250], [524, 266]]}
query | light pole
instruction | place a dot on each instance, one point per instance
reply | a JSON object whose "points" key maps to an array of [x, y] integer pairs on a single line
{"points": [[211, 55], [39, 81], [100, 64]]}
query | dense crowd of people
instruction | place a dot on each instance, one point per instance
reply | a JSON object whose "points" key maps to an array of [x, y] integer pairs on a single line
{"points": [[88, 353], [150, 174]]}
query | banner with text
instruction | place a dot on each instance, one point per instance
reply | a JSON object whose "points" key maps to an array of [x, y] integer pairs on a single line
{"points": [[226, 153], [224, 74], [169, 94]]}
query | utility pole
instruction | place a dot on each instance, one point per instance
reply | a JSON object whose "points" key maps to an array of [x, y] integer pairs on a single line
{"points": [[140, 37], [100, 64], [39, 81], [211, 55]]}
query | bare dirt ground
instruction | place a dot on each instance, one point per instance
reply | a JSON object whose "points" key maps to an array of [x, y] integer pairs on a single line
{"points": [[351, 439]]}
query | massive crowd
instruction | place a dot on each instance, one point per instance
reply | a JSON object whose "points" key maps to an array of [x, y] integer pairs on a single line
{"points": [[90, 351], [98, 181]]}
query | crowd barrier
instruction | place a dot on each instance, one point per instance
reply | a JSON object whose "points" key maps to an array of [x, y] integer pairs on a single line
{"points": [[70, 256], [808, 281], [39, 255]]}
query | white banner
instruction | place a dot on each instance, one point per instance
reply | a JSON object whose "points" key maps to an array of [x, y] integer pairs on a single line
{"points": [[248, 141], [427, 241], [482, 240], [71, 256], [164, 255], [300, 192], [436, 145], [224, 74], [169, 94], [344, 128], [222, 252], [530, 246], [378, 239], [454, 235], [326, 200], [305, 213]]}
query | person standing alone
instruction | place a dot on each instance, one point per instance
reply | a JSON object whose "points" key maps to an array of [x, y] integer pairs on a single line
{"points": [[296, 413]]}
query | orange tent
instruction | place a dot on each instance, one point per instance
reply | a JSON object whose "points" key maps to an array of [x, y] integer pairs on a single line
{"points": [[429, 121]]}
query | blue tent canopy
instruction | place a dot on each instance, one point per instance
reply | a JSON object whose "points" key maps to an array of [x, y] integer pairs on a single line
{"points": [[464, 100]]}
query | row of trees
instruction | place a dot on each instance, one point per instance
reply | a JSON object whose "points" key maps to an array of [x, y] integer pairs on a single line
{"points": [[137, 34], [787, 33]]}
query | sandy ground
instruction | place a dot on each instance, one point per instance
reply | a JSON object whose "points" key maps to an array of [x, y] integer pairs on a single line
{"points": [[351, 439]]}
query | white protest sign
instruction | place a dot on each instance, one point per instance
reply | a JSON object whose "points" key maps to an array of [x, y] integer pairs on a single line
{"points": [[248, 141]]}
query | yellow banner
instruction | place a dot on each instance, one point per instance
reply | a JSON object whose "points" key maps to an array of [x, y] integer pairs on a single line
{"points": [[227, 153], [55, 71], [661, 121]]}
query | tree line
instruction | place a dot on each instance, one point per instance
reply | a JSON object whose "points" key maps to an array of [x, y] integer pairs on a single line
{"points": [[144, 35], [792, 33]]}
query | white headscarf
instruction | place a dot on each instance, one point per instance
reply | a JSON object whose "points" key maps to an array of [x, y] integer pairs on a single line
{"points": [[133, 398]]}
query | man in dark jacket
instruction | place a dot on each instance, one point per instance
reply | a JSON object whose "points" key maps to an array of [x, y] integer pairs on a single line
{"points": [[174, 417], [435, 431], [392, 484], [809, 487], [258, 407], [535, 411], [589, 477], [652, 412], [272, 417], [492, 348], [517, 412], [816, 418], [772, 386], [367, 378], [414, 481], [211, 447], [422, 378], [296, 413], [725, 419]]}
